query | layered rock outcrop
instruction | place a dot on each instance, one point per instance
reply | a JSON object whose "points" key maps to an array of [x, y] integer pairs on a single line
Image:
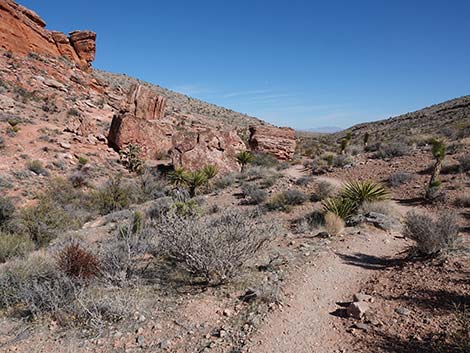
{"points": [[191, 141], [22, 31], [279, 142], [201, 147]]}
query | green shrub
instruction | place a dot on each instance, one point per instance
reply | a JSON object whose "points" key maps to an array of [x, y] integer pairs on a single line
{"points": [[13, 245], [113, 196], [264, 160], [278, 203], [294, 197]]}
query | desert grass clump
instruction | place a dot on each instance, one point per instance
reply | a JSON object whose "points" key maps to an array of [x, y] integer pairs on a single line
{"points": [[253, 194], [334, 224], [213, 248], [225, 181], [310, 222], [392, 150], [399, 178], [285, 200], [432, 236], [342, 160], [264, 160]]}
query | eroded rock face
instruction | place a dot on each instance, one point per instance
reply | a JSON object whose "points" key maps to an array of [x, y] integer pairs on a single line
{"points": [[145, 103], [279, 142], [22, 31], [154, 137], [199, 148]]}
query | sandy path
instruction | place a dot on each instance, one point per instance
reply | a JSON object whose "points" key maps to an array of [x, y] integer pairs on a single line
{"points": [[306, 324]]}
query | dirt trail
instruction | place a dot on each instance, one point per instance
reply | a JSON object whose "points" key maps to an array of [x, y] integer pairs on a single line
{"points": [[306, 323]]}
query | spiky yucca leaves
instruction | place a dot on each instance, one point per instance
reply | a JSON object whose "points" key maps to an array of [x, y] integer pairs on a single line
{"points": [[194, 180], [244, 158], [210, 171], [438, 149], [339, 206], [439, 153], [359, 192], [178, 177]]}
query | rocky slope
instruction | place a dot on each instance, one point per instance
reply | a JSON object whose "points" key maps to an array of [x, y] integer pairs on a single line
{"points": [[439, 118]]}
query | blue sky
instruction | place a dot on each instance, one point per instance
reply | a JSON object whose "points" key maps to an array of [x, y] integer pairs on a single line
{"points": [[303, 64]]}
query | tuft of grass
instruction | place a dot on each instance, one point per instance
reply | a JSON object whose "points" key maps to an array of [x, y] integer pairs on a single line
{"points": [[14, 245], [334, 224], [37, 167]]}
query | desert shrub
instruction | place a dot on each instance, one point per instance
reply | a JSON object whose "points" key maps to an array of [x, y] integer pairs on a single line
{"points": [[256, 173], [303, 181], [464, 161], [213, 249], [463, 200], [78, 178], [37, 167], [264, 160], [44, 221], [284, 200], [73, 112], [2, 142], [149, 186], [294, 197], [354, 150], [121, 257], [339, 206], [14, 245], [7, 210], [432, 236], [342, 160], [113, 196], [253, 194], [391, 150], [186, 207], [383, 207], [76, 261], [310, 222], [160, 207], [399, 178], [334, 224], [359, 192], [37, 285], [225, 181], [82, 161], [324, 190]]}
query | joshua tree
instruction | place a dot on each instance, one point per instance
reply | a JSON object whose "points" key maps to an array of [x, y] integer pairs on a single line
{"points": [[343, 145], [243, 158], [439, 152], [366, 139]]}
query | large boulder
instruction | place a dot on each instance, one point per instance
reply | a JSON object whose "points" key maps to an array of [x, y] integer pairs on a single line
{"points": [[279, 142], [22, 31], [153, 137], [145, 103], [197, 148]]}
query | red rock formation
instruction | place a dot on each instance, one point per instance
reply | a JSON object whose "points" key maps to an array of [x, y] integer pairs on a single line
{"points": [[279, 142], [154, 137], [22, 32], [145, 103], [195, 149]]}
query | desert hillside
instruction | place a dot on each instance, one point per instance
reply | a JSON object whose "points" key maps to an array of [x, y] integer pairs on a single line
{"points": [[137, 219]]}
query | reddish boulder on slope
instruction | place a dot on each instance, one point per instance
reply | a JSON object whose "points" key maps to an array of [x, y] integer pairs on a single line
{"points": [[145, 103], [84, 43], [198, 148], [279, 142]]}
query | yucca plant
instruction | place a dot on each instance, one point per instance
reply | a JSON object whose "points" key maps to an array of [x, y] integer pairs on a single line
{"points": [[366, 139], [359, 192], [343, 144], [339, 206], [244, 158], [195, 180], [210, 171], [439, 153], [178, 177]]}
